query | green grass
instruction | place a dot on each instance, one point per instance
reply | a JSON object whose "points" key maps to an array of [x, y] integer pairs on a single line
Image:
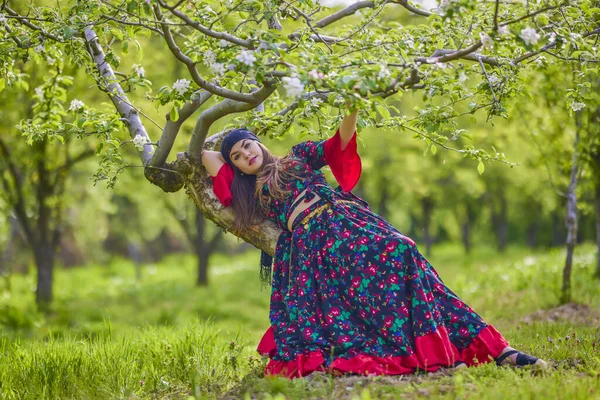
{"points": [[112, 337]]}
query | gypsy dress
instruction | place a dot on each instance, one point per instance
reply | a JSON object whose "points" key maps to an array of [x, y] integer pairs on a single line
{"points": [[352, 294]]}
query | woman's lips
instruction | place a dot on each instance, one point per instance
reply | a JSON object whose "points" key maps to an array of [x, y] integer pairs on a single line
{"points": [[252, 160]]}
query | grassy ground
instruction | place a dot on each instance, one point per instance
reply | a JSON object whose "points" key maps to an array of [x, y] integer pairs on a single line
{"points": [[110, 336]]}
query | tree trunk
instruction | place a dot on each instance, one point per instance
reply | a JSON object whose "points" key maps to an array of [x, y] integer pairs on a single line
{"points": [[202, 251], [500, 222], [532, 234], [466, 236], [427, 205], [571, 224], [44, 260]]}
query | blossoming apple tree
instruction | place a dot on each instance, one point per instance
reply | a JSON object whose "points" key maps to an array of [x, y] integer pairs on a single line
{"points": [[279, 65]]}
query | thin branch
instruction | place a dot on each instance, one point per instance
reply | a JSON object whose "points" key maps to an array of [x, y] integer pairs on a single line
{"points": [[449, 56], [169, 133], [25, 21], [496, 15], [198, 26], [409, 7], [529, 15], [308, 22], [343, 13], [191, 65], [488, 80]]}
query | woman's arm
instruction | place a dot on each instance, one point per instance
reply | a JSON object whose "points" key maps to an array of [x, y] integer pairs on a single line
{"points": [[212, 161], [347, 128]]}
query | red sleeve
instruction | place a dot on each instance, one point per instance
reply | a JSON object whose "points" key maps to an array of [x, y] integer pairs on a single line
{"points": [[222, 184], [345, 165]]}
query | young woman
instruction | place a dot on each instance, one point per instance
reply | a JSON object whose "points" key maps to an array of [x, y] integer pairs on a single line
{"points": [[350, 293]]}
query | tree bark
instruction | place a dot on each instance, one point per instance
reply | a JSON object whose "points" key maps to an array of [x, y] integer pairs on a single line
{"points": [[44, 260], [571, 224], [202, 251]]}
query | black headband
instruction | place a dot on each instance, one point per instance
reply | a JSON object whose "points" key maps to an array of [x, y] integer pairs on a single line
{"points": [[232, 138]]}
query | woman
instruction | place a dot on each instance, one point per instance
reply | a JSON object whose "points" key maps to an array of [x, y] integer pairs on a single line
{"points": [[350, 293]]}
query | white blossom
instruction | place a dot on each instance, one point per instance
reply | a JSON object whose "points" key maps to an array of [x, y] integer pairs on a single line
{"points": [[315, 102], [217, 68], [486, 40], [462, 77], [246, 57], [293, 86], [50, 60], [223, 43], [409, 43], [504, 30], [76, 105], [2, 18], [494, 80], [383, 72], [529, 35], [139, 141], [39, 48], [551, 37], [331, 75], [39, 91], [576, 106], [540, 61], [181, 86], [209, 57], [315, 74], [139, 70], [441, 65]]}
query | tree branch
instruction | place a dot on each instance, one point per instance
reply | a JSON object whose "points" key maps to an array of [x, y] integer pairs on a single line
{"points": [[208, 32], [210, 116], [171, 129], [25, 21], [344, 13], [191, 66], [116, 93]]}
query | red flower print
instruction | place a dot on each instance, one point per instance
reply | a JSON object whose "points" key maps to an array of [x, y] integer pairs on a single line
{"points": [[351, 292], [335, 311], [393, 279], [344, 339], [351, 246], [303, 277], [439, 287], [388, 321], [363, 240], [329, 320], [356, 281], [277, 296], [332, 274], [428, 315], [381, 285], [362, 313], [362, 223], [346, 234], [391, 246], [301, 292], [307, 332], [372, 270], [404, 311], [377, 238], [454, 318], [383, 257], [312, 319], [429, 297], [329, 243], [457, 303], [463, 331]]}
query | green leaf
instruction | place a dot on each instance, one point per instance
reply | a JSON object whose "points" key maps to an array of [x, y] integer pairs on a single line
{"points": [[69, 32], [174, 114], [480, 167], [2, 84], [433, 149], [384, 112], [117, 33]]}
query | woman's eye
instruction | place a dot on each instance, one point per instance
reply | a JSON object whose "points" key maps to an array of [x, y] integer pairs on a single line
{"points": [[247, 145]]}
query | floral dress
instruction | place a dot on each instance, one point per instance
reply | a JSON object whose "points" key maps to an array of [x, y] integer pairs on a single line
{"points": [[351, 294]]}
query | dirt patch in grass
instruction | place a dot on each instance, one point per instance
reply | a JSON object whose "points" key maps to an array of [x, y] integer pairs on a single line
{"points": [[579, 314]]}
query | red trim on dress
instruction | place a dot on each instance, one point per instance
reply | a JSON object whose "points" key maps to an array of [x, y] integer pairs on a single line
{"points": [[431, 352], [222, 184], [345, 165]]}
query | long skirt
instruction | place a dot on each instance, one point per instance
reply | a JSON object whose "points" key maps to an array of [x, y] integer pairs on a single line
{"points": [[351, 294]]}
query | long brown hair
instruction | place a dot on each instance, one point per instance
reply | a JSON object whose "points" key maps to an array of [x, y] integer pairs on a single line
{"points": [[248, 200]]}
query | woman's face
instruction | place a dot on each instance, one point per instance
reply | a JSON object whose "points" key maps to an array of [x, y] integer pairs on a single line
{"points": [[247, 155]]}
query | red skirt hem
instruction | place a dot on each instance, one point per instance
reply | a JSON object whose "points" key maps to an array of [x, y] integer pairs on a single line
{"points": [[432, 352]]}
